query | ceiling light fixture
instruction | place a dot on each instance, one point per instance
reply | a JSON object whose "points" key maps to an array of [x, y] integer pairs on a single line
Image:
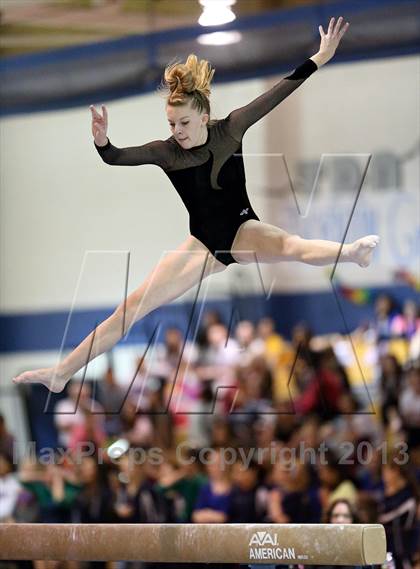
{"points": [[220, 38], [216, 12]]}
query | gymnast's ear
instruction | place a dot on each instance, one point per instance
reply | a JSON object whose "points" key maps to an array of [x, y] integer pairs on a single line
{"points": [[205, 118]]}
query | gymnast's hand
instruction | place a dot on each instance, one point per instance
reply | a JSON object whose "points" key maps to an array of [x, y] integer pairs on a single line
{"points": [[99, 125], [330, 40]]}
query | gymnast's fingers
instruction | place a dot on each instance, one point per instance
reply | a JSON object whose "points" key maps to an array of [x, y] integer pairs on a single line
{"points": [[337, 25], [95, 113], [331, 26], [105, 115], [343, 30]]}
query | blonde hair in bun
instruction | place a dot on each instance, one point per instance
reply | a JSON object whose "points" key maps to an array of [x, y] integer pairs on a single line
{"points": [[189, 81]]}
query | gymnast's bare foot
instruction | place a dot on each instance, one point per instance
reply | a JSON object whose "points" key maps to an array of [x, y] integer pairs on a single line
{"points": [[360, 251], [48, 376]]}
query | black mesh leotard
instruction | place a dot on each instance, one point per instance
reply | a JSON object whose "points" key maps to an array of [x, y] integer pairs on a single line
{"points": [[210, 178]]}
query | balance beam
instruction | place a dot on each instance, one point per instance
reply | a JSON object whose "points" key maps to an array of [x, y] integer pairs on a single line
{"points": [[307, 544]]}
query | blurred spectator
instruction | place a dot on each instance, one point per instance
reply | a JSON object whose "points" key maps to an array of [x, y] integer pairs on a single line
{"points": [[90, 432], [295, 498], [161, 416], [249, 497], [258, 374], [178, 398], [93, 503], [414, 347], [350, 427], [385, 310], [111, 396], [409, 405], [210, 317], [215, 498], [9, 488], [6, 439], [358, 354], [72, 411], [173, 346], [144, 380], [250, 402], [153, 506], [137, 498], [249, 344], [340, 511], [321, 391], [217, 361], [279, 356], [301, 378], [182, 482], [335, 481], [307, 433], [274, 344], [408, 323], [221, 432], [369, 475], [169, 354], [264, 431], [137, 426], [398, 511], [367, 509], [201, 420], [331, 362], [286, 421], [301, 342], [125, 484], [390, 380], [55, 488]]}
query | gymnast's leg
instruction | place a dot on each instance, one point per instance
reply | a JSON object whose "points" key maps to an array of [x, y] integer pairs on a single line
{"points": [[265, 243], [177, 272]]}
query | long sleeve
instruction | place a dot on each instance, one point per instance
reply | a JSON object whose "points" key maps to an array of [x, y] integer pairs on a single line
{"points": [[241, 119], [156, 152]]}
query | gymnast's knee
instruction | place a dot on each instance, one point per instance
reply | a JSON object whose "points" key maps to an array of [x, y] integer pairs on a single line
{"points": [[291, 246]]}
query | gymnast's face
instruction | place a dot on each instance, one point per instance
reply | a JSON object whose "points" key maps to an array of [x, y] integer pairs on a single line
{"points": [[341, 514], [188, 126]]}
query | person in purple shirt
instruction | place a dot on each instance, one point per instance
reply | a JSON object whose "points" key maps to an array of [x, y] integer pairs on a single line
{"points": [[215, 497]]}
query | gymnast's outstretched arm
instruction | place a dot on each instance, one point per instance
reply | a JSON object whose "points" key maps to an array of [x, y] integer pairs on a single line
{"points": [[241, 119], [155, 152]]}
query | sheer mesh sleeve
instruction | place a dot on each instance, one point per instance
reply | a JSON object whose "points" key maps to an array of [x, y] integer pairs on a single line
{"points": [[241, 119], [157, 152]]}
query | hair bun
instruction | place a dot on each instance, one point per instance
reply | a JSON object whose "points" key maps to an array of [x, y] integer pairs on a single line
{"points": [[185, 78]]}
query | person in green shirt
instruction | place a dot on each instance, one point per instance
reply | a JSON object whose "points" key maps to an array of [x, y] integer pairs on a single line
{"points": [[182, 482], [55, 488]]}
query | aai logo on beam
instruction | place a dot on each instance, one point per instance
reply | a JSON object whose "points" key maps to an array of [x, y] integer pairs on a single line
{"points": [[263, 538], [264, 546]]}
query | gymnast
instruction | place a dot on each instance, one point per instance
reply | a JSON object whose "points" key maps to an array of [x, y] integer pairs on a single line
{"points": [[203, 159]]}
